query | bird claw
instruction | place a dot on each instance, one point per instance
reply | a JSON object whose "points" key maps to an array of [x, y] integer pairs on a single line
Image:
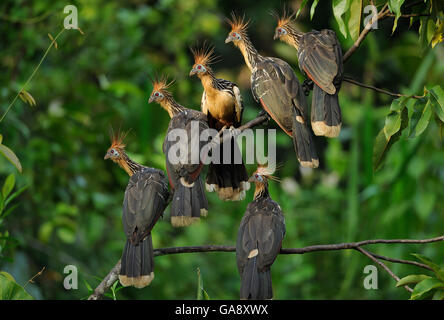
{"points": [[234, 132], [264, 113], [307, 86]]}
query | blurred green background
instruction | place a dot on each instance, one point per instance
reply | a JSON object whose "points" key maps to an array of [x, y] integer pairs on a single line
{"points": [[71, 212]]}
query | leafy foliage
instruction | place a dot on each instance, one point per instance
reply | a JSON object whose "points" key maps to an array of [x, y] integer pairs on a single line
{"points": [[10, 290], [72, 212], [426, 286]]}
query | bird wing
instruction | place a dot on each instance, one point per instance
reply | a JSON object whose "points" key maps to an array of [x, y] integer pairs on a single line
{"points": [[146, 197], [262, 229], [238, 105], [189, 146], [203, 106], [320, 57], [275, 85]]}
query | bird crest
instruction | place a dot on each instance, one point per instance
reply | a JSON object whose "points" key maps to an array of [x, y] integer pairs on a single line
{"points": [[161, 83], [117, 139], [285, 19], [204, 55], [238, 23], [268, 170]]}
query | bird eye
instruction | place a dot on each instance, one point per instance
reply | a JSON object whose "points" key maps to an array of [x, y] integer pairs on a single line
{"points": [[234, 34], [199, 67], [112, 150], [156, 94], [280, 30]]}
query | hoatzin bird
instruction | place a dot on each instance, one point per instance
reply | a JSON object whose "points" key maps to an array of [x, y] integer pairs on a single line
{"points": [[189, 200], [320, 58], [275, 85], [222, 103], [259, 239], [146, 198]]}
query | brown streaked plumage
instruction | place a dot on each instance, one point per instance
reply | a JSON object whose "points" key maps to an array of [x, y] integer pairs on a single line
{"points": [[222, 103], [146, 198], [259, 240], [189, 200], [320, 58], [275, 86]]}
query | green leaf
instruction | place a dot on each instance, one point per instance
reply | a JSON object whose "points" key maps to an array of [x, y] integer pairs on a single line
{"points": [[15, 195], [424, 120], [304, 2], [313, 8], [8, 185], [395, 7], [339, 8], [8, 154], [430, 30], [439, 295], [424, 287], [87, 285], [392, 124], [10, 290], [439, 272], [27, 98], [415, 114], [437, 99], [354, 22], [201, 293], [383, 144], [412, 279]]}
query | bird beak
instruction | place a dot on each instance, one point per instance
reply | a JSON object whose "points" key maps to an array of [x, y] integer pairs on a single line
{"points": [[151, 99], [276, 36], [106, 156], [228, 39], [193, 72]]}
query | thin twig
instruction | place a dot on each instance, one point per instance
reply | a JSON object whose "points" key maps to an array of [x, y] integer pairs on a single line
{"points": [[411, 15], [106, 283], [35, 276], [413, 263], [393, 94], [112, 276], [368, 27], [390, 272], [33, 73]]}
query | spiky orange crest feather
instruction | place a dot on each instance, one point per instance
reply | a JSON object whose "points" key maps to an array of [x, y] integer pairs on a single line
{"points": [[268, 170], [118, 139], [160, 83], [205, 55], [238, 23], [285, 19]]}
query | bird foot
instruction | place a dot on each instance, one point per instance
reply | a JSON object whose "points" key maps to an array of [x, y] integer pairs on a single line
{"points": [[264, 113], [307, 86], [234, 132]]}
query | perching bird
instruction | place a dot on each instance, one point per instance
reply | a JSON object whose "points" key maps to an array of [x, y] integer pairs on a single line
{"points": [[320, 58], [146, 198], [275, 85], [259, 239], [222, 103], [189, 200]]}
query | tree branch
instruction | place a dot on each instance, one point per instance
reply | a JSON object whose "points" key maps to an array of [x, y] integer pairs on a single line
{"points": [[393, 94], [390, 272], [368, 27], [112, 276]]}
